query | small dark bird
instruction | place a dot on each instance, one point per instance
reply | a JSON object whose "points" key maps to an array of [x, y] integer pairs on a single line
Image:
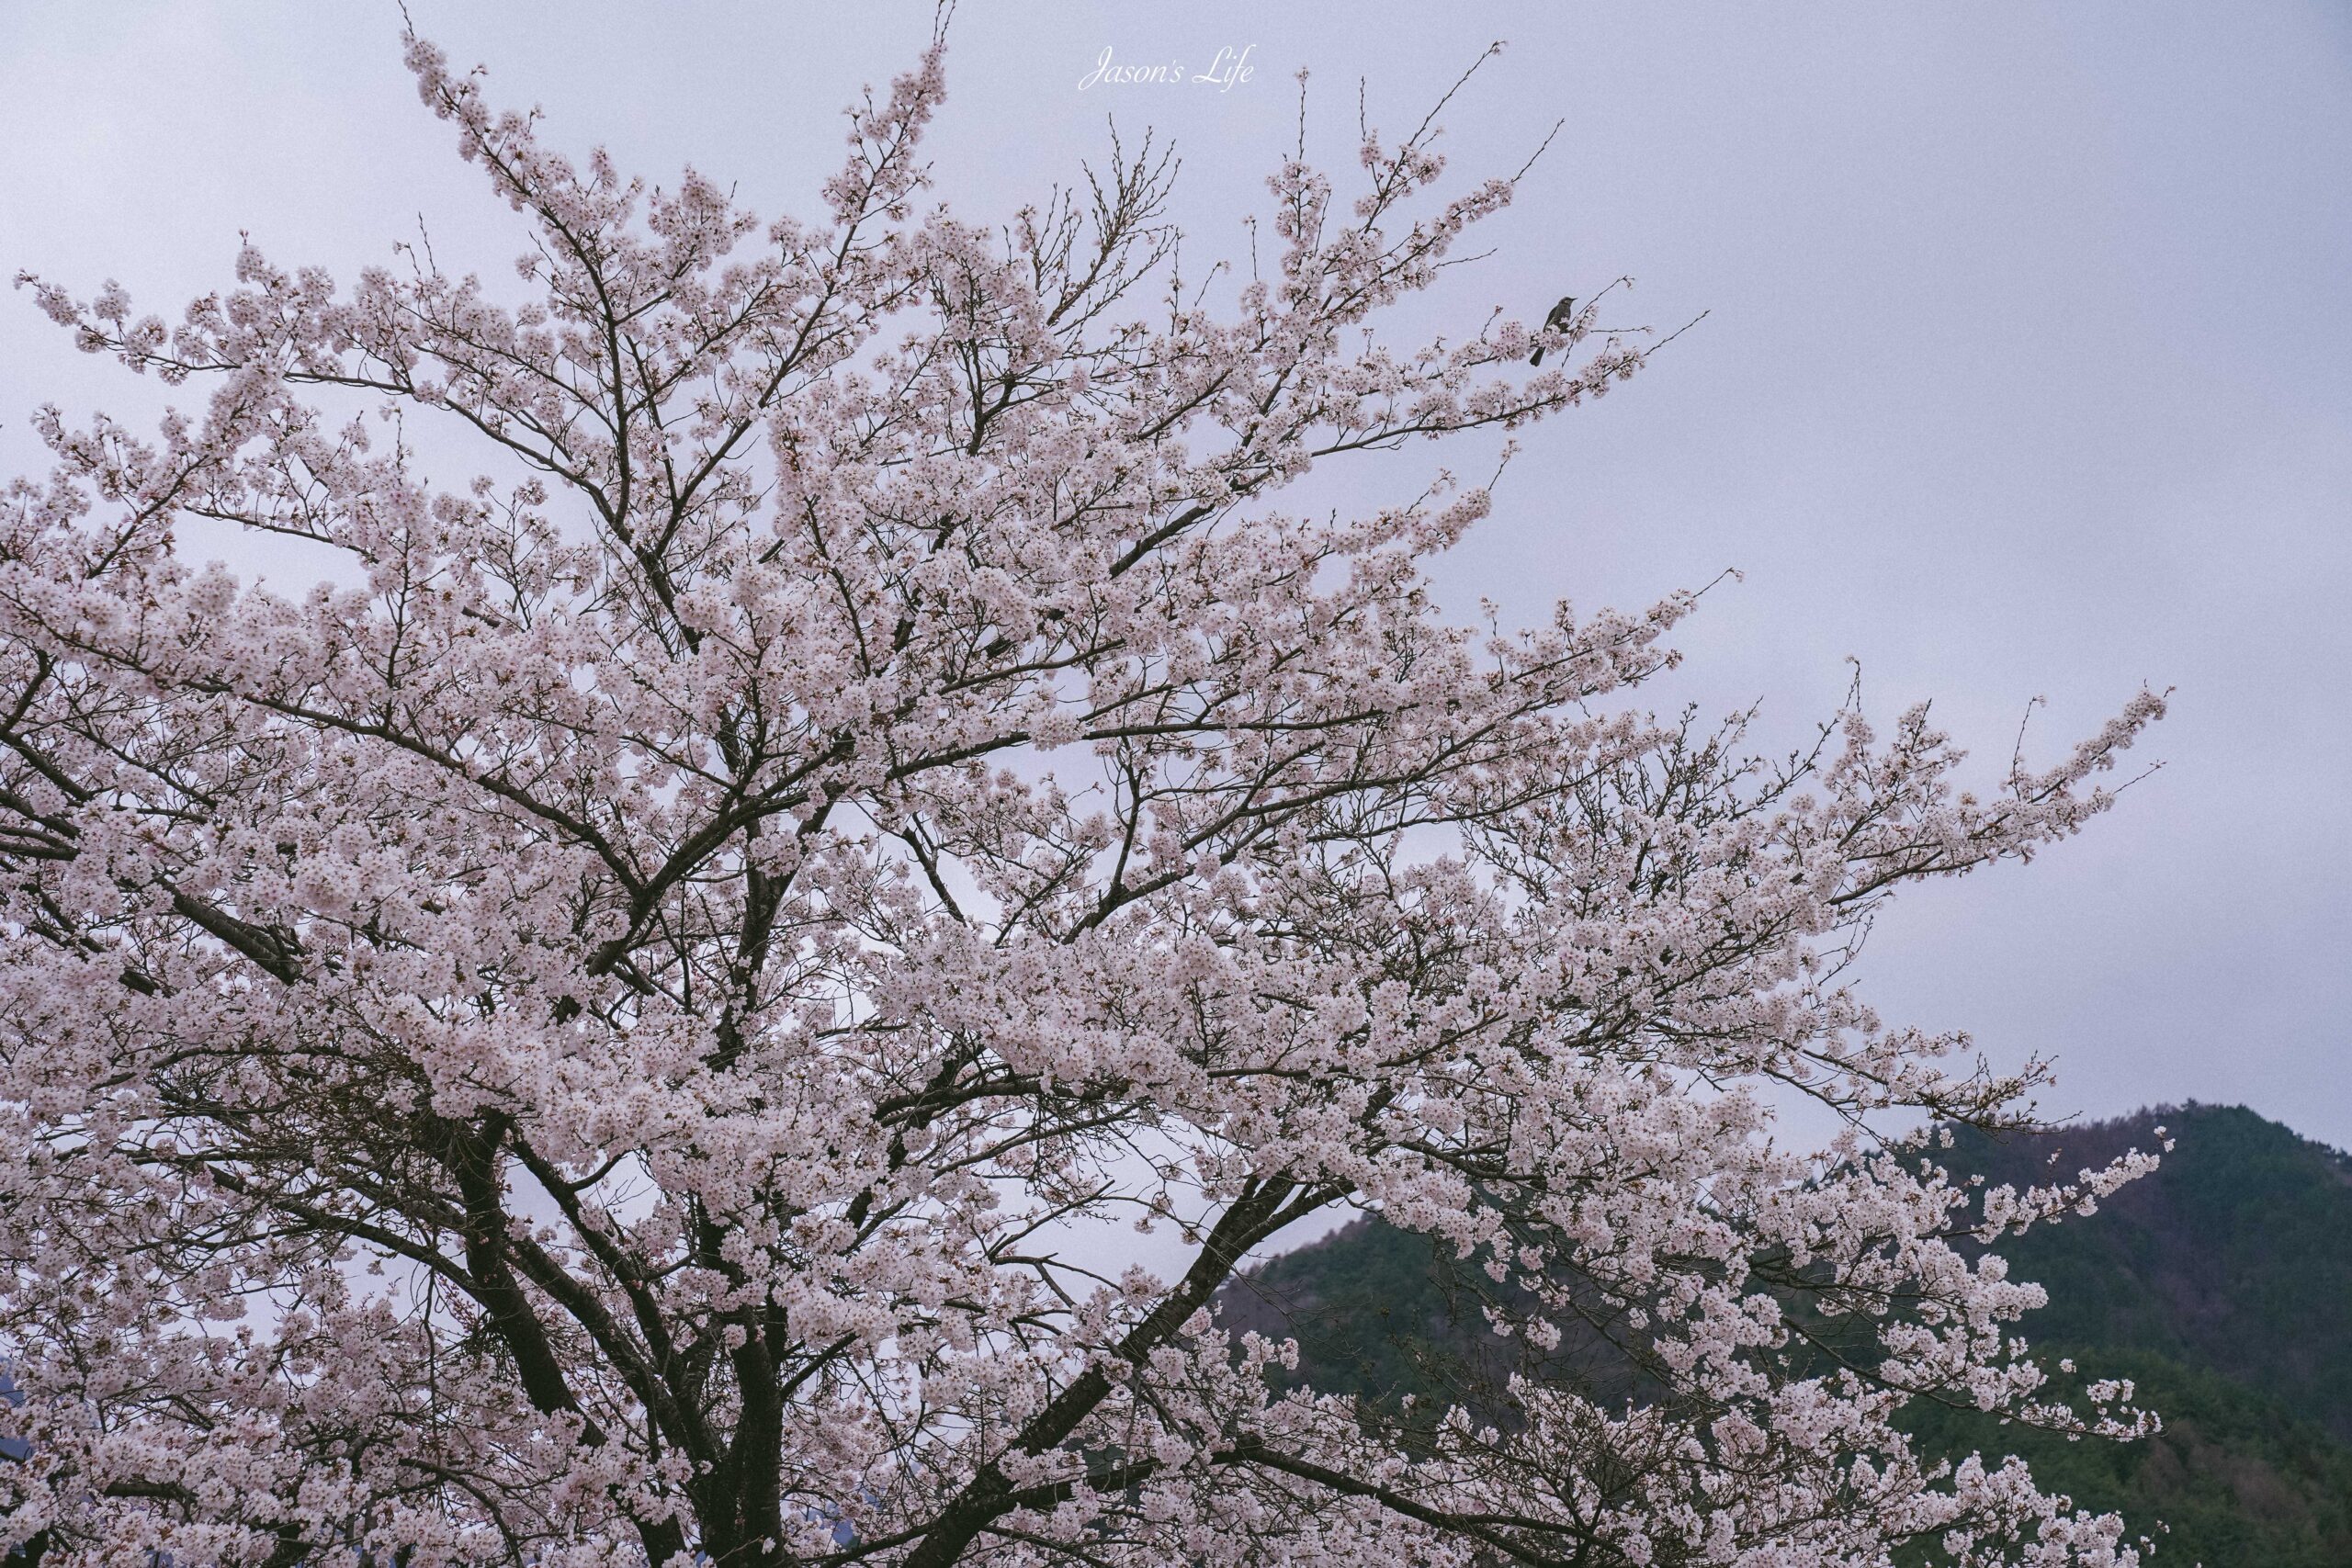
{"points": [[1562, 314]]}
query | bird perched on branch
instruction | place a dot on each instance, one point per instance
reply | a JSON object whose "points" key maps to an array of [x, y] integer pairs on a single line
{"points": [[1562, 314]]}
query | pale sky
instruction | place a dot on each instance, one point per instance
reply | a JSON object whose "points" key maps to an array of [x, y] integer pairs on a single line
{"points": [[2027, 368]]}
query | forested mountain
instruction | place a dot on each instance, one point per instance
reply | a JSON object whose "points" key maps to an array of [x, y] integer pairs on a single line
{"points": [[2221, 1284]]}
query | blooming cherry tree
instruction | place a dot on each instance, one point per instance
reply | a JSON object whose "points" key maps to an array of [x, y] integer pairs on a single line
{"points": [[607, 1033]]}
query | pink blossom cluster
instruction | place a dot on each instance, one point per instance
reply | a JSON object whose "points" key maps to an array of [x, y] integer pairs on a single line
{"points": [[592, 1037]]}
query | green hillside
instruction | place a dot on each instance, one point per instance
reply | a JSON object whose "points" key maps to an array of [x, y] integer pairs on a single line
{"points": [[2235, 1258], [2222, 1285]]}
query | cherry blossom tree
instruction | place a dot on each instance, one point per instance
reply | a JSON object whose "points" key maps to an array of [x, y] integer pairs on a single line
{"points": [[608, 1031]]}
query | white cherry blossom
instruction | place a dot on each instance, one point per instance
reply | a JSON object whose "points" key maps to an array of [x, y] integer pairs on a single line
{"points": [[582, 1040]]}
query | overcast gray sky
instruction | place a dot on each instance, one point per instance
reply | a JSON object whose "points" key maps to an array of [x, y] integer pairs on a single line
{"points": [[2027, 371]]}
